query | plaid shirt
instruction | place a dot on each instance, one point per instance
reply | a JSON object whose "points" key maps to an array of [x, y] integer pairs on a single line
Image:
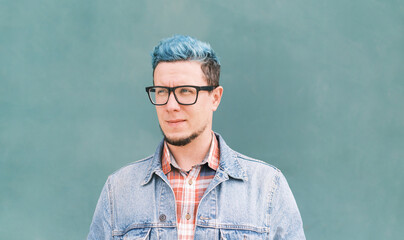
{"points": [[189, 187]]}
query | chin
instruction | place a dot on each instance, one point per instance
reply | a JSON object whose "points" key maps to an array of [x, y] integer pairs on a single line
{"points": [[178, 139]]}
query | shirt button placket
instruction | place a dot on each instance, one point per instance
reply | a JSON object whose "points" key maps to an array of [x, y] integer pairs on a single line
{"points": [[188, 216], [190, 182]]}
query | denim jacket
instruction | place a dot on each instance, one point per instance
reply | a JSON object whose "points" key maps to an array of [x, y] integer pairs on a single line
{"points": [[247, 199]]}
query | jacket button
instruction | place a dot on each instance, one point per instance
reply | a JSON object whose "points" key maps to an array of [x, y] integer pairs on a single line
{"points": [[162, 217]]}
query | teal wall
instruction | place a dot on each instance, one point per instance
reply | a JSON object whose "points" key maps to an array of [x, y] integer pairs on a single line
{"points": [[313, 87]]}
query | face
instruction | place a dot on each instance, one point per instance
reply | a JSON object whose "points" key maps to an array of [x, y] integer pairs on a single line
{"points": [[182, 124]]}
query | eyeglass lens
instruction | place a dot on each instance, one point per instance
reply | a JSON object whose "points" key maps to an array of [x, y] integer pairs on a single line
{"points": [[184, 95]]}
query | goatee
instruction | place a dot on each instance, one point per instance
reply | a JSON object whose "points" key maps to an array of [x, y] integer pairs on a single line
{"points": [[182, 141]]}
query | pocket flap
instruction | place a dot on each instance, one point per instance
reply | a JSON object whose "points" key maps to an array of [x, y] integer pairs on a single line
{"points": [[228, 234], [137, 234]]}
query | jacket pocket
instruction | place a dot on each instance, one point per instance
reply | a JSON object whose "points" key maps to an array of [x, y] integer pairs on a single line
{"points": [[137, 234], [228, 234]]}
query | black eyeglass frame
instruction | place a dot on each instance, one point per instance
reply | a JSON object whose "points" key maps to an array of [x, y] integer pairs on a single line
{"points": [[198, 88]]}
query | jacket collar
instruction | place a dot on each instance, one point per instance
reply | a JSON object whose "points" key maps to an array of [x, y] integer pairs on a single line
{"points": [[229, 164]]}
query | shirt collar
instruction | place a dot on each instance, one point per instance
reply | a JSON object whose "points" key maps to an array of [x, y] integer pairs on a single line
{"points": [[212, 157], [229, 164]]}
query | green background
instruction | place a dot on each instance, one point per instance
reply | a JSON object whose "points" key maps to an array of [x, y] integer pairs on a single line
{"points": [[313, 87]]}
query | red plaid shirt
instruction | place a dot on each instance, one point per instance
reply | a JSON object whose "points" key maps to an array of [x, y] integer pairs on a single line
{"points": [[189, 187]]}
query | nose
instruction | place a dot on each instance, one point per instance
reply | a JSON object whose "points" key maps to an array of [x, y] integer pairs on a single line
{"points": [[172, 104]]}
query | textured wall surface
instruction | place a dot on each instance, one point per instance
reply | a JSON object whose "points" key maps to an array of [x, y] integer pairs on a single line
{"points": [[313, 87]]}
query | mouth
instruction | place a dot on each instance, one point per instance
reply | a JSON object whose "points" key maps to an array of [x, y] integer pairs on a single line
{"points": [[175, 122]]}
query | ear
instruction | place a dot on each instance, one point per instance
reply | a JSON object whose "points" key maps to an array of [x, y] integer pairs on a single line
{"points": [[216, 97]]}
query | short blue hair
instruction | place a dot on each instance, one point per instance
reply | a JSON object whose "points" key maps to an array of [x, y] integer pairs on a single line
{"points": [[186, 48]]}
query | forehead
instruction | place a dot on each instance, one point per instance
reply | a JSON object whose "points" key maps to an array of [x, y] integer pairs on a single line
{"points": [[179, 73]]}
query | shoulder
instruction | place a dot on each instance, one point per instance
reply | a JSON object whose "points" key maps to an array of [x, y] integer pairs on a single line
{"points": [[242, 165], [131, 171], [258, 172], [249, 163], [254, 162], [137, 165]]}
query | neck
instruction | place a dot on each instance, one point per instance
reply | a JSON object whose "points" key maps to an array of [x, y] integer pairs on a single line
{"points": [[192, 153]]}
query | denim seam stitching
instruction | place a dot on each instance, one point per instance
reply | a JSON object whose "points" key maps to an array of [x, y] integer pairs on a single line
{"points": [[271, 195], [111, 211], [235, 227], [140, 226], [244, 157]]}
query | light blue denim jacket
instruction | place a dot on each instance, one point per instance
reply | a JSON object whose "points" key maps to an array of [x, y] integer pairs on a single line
{"points": [[247, 199]]}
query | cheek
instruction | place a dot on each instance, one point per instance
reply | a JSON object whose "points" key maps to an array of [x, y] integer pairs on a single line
{"points": [[159, 113], [203, 114]]}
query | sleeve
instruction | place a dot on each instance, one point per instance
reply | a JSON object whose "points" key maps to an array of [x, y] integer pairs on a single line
{"points": [[285, 219], [100, 228]]}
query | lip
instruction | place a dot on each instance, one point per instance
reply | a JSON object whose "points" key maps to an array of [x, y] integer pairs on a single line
{"points": [[175, 122]]}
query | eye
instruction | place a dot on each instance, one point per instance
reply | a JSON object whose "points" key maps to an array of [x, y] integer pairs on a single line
{"points": [[186, 90], [161, 91]]}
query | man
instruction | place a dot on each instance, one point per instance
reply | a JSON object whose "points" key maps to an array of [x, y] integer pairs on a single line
{"points": [[194, 186]]}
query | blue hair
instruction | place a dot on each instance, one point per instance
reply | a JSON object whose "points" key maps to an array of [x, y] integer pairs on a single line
{"points": [[186, 48]]}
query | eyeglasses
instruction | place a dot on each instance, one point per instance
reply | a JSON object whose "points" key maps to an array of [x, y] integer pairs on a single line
{"points": [[185, 95]]}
